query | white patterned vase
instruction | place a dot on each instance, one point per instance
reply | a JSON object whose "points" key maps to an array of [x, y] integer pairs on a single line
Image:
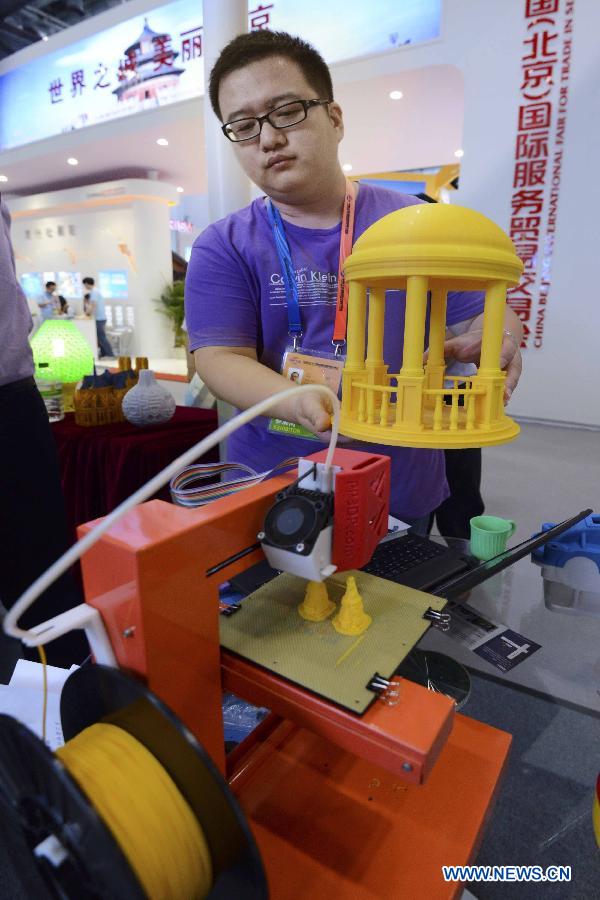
{"points": [[148, 403]]}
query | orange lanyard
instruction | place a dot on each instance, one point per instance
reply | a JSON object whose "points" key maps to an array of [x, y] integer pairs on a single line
{"points": [[341, 308]]}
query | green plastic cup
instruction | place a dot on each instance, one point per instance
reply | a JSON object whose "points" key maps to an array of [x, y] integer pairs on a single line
{"points": [[489, 535]]}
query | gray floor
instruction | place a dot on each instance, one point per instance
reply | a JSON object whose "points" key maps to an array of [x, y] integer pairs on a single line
{"points": [[543, 813], [547, 474]]}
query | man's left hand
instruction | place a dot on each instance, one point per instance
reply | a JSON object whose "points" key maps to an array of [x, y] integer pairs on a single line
{"points": [[467, 348]]}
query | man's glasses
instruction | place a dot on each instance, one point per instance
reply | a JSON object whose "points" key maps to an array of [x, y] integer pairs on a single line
{"points": [[281, 117]]}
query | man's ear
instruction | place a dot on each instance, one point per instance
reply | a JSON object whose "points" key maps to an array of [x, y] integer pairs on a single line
{"points": [[337, 118]]}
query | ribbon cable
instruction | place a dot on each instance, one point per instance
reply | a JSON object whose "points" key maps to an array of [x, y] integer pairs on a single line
{"points": [[187, 490], [289, 278]]}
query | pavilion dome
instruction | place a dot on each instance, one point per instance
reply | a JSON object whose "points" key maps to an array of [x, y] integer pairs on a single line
{"points": [[437, 240]]}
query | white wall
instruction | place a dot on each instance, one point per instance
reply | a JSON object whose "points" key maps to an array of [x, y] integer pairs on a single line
{"points": [[193, 208], [117, 225], [484, 41]]}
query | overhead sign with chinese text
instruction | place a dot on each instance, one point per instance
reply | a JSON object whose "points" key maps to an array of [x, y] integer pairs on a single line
{"points": [[156, 59]]}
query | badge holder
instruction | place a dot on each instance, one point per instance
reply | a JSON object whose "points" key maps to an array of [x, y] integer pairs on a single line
{"points": [[305, 366]]}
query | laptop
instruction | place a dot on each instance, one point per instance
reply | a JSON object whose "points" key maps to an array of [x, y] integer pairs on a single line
{"points": [[416, 562], [423, 564]]}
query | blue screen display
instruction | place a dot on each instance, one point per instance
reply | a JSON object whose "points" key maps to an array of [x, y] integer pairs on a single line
{"points": [[112, 284], [32, 284]]}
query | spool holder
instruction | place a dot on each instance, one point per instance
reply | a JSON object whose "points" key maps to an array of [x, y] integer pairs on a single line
{"points": [[41, 798]]}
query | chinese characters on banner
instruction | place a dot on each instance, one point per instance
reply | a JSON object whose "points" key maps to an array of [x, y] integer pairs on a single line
{"points": [[190, 48], [544, 98]]}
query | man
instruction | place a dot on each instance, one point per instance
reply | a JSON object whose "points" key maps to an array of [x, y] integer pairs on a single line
{"points": [[95, 303], [33, 526], [48, 303], [275, 96]]}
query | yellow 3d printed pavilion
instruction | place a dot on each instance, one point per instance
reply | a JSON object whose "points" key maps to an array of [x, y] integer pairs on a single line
{"points": [[426, 249]]}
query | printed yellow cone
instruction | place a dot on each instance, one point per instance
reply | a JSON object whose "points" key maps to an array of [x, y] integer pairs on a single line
{"points": [[351, 619], [316, 605]]}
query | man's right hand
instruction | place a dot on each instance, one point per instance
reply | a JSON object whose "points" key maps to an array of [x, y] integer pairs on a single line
{"points": [[235, 375], [314, 412]]}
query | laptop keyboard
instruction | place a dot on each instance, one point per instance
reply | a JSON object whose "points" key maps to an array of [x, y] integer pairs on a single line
{"points": [[393, 558]]}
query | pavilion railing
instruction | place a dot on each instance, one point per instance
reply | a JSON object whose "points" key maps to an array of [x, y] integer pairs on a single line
{"points": [[453, 408]]}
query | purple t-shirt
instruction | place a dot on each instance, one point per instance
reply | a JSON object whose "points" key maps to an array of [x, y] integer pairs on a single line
{"points": [[235, 297]]}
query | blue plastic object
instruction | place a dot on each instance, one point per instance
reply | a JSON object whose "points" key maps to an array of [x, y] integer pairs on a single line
{"points": [[239, 718], [582, 539]]}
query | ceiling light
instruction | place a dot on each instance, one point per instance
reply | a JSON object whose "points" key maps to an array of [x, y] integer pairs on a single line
{"points": [[44, 37], [180, 190], [347, 167], [459, 153], [162, 142], [3, 178], [396, 95], [72, 161]]}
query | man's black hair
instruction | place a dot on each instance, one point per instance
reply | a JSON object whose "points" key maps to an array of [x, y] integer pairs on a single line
{"points": [[50, 284], [88, 280], [257, 45]]}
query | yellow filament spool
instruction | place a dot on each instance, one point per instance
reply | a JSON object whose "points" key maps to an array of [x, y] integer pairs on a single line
{"points": [[144, 810]]}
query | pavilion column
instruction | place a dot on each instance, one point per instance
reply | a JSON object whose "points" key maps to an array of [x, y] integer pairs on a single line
{"points": [[414, 325], [375, 365], [375, 333], [436, 364], [409, 405], [493, 328], [489, 374], [355, 347], [357, 318]]}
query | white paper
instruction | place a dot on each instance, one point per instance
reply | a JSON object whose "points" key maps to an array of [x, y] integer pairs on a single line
{"points": [[27, 704], [396, 528], [29, 674], [23, 699]]}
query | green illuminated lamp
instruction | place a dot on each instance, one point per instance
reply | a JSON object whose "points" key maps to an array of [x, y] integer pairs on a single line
{"points": [[61, 353]]}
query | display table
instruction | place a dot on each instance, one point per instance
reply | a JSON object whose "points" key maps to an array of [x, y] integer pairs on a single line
{"points": [[565, 668], [102, 466]]}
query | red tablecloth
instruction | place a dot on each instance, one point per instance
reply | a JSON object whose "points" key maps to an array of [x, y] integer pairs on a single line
{"points": [[100, 467]]}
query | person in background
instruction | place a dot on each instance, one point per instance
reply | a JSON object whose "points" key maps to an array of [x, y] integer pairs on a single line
{"points": [[463, 474], [273, 92], [96, 304], [48, 303], [33, 522]]}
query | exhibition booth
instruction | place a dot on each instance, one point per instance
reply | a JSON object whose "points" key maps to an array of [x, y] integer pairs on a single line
{"points": [[292, 692], [117, 233], [470, 99]]}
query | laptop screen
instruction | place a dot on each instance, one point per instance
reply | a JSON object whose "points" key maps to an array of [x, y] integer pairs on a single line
{"points": [[457, 586]]}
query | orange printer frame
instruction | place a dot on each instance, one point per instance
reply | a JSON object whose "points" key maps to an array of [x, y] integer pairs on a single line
{"points": [[368, 806]]}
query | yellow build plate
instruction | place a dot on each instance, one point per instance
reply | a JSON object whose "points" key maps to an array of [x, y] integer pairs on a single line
{"points": [[269, 631]]}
